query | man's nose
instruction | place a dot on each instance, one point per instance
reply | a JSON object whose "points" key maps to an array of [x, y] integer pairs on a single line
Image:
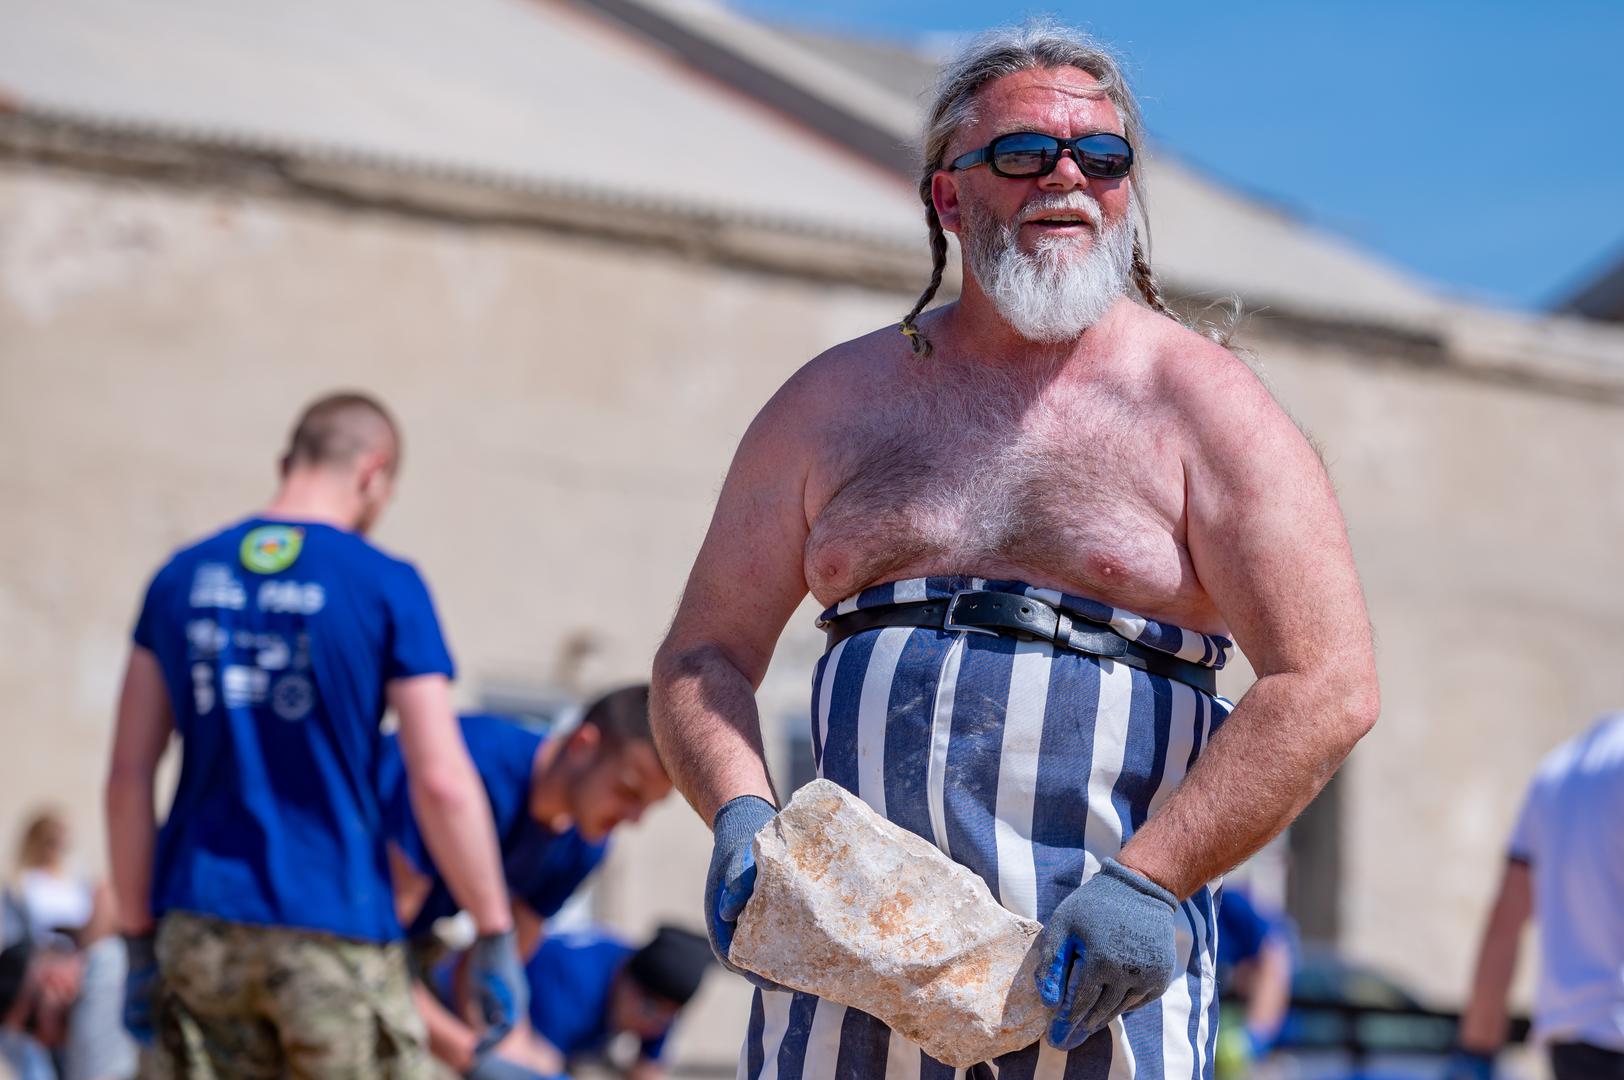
{"points": [[1067, 176]]}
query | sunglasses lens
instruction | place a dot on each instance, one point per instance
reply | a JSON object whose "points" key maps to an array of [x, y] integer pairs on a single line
{"points": [[1024, 154], [1105, 155]]}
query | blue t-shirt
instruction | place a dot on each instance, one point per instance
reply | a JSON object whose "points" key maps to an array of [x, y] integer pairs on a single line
{"points": [[276, 641], [543, 868], [1244, 927], [571, 978]]}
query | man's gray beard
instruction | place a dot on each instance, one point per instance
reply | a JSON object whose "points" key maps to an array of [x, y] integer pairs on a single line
{"points": [[1046, 296]]}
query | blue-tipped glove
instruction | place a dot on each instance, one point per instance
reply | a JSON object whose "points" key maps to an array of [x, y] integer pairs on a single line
{"points": [[488, 1066], [1108, 947], [499, 987], [1257, 1042], [1467, 1065], [732, 876], [140, 986]]}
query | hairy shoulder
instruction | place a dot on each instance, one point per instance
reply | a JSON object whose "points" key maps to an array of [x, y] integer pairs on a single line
{"points": [[857, 363], [826, 390], [1235, 437], [1212, 389], [828, 383]]}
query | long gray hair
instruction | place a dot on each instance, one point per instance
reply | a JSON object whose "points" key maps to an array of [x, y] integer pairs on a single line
{"points": [[991, 56]]}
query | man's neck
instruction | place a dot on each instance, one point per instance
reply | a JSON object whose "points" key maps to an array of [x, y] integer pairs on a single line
{"points": [[549, 802], [308, 498]]}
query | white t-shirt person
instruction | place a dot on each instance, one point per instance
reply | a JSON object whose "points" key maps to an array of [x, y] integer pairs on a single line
{"points": [[1571, 835], [56, 901]]}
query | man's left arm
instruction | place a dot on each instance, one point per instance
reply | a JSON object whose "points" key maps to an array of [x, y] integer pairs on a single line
{"points": [[140, 735], [1483, 1021], [1267, 541]]}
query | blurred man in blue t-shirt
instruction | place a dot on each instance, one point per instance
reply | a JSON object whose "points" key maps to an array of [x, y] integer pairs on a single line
{"points": [[260, 919], [1255, 962], [588, 988], [555, 802]]}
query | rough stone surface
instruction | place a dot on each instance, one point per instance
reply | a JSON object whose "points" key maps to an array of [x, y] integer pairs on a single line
{"points": [[855, 909]]}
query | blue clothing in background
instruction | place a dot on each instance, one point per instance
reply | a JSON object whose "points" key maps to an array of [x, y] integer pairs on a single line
{"points": [[276, 641], [543, 868], [1242, 930], [571, 979]]}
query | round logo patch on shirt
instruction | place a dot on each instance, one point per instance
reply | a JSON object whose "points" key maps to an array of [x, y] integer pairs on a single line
{"points": [[292, 697], [270, 548]]}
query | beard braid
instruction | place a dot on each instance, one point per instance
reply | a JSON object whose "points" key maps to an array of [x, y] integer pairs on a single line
{"points": [[1046, 296]]}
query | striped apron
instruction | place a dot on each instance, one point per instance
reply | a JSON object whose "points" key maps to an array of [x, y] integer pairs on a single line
{"points": [[1029, 764]]}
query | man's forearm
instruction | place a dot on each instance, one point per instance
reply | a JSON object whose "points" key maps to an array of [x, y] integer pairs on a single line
{"points": [[454, 817], [1271, 757], [1483, 1022], [131, 839], [1271, 990], [450, 1040], [703, 711]]}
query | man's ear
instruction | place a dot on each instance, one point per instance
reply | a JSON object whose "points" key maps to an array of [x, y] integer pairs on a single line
{"points": [[944, 194], [584, 740], [373, 469]]}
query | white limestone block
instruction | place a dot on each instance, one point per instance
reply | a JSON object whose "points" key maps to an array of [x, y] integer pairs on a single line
{"points": [[858, 910]]}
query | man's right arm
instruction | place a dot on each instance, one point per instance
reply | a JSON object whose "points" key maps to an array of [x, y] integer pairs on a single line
{"points": [[450, 1040], [140, 735], [1483, 1023], [745, 583], [449, 801]]}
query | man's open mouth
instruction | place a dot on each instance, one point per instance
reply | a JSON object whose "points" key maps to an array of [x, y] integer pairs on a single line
{"points": [[1060, 220]]}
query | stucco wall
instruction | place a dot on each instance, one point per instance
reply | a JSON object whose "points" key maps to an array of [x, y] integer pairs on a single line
{"points": [[569, 412]]}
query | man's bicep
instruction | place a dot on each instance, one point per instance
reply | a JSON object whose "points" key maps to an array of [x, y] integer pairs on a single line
{"points": [[748, 576], [1267, 539], [145, 719], [428, 723]]}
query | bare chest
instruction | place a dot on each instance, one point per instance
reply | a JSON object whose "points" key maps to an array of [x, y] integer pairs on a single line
{"points": [[1078, 488]]}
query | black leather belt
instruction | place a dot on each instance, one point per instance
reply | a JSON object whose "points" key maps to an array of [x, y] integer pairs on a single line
{"points": [[983, 611]]}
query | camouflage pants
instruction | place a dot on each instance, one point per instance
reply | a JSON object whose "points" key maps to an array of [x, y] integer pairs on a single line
{"points": [[255, 1001]]}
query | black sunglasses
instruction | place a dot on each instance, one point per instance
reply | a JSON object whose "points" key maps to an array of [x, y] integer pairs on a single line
{"points": [[1021, 155]]}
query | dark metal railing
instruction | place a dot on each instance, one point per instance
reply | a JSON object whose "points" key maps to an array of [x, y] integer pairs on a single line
{"points": [[1362, 1031]]}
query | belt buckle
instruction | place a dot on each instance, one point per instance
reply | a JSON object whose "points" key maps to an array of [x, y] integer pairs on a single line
{"points": [[952, 605]]}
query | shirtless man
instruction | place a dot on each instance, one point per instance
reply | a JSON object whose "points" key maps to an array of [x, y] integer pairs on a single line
{"points": [[1038, 516]]}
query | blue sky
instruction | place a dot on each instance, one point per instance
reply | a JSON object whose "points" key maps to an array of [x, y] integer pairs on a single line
{"points": [[1507, 119]]}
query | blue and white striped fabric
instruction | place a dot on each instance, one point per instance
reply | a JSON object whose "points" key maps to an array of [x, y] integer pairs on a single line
{"points": [[1028, 764]]}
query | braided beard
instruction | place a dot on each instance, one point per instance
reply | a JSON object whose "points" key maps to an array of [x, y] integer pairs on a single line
{"points": [[1049, 296]]}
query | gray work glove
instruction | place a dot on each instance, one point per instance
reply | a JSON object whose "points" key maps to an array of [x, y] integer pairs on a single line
{"points": [[732, 876], [1108, 948], [499, 987], [140, 986]]}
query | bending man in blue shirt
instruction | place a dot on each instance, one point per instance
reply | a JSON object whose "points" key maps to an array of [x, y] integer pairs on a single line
{"points": [[260, 918], [588, 988], [555, 802]]}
